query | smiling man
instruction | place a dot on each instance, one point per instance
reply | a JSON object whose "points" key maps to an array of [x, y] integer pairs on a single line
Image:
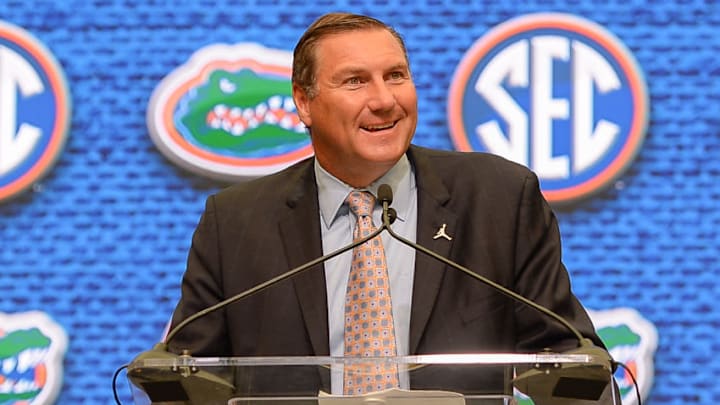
{"points": [[353, 89], [361, 108]]}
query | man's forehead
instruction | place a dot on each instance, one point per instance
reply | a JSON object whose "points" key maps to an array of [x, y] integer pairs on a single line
{"points": [[359, 38], [356, 49]]}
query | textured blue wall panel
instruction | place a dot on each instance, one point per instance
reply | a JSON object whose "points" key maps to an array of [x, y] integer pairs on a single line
{"points": [[100, 243]]}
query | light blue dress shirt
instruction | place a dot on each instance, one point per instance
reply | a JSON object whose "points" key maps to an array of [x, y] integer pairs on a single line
{"points": [[336, 223]]}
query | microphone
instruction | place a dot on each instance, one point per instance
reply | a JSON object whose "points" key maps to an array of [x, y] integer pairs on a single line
{"points": [[385, 197], [563, 381]]}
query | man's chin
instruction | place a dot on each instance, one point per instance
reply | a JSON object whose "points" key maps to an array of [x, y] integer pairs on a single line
{"points": [[385, 155]]}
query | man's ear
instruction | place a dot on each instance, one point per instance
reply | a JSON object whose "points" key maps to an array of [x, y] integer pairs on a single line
{"points": [[302, 104]]}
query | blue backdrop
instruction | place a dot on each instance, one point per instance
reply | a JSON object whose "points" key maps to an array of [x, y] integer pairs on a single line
{"points": [[100, 243]]}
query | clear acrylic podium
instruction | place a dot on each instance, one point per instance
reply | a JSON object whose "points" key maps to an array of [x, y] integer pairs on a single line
{"points": [[475, 379]]}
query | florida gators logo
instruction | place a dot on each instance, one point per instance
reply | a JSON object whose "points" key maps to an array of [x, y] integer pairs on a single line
{"points": [[34, 110], [556, 93], [228, 113], [631, 340], [32, 347]]}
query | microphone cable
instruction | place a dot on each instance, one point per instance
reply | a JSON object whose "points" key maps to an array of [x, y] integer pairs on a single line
{"points": [[114, 383], [634, 381]]}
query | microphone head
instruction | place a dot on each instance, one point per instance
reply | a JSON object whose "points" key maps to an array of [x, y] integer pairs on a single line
{"points": [[385, 194], [392, 215]]}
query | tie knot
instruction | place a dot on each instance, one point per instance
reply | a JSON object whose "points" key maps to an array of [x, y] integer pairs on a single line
{"points": [[361, 203]]}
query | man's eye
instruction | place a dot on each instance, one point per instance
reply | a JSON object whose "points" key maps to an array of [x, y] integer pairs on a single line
{"points": [[397, 75], [354, 80]]}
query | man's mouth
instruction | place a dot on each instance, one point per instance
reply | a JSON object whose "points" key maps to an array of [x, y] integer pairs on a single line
{"points": [[379, 127]]}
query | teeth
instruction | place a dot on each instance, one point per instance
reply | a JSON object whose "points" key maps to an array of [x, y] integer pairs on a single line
{"points": [[21, 386], [215, 123], [275, 102], [25, 362], [25, 386], [277, 110], [379, 127], [30, 358], [271, 119], [289, 104], [235, 112], [237, 130], [226, 125], [287, 122], [27, 359], [8, 365], [261, 109], [220, 109]]}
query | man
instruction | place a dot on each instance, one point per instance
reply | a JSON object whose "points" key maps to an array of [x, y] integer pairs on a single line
{"points": [[354, 91]]}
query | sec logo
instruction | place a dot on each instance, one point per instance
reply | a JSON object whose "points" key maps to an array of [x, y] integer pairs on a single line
{"points": [[34, 110], [228, 113], [556, 93]]}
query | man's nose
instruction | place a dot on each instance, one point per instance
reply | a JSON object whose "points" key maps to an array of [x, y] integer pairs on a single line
{"points": [[382, 97]]}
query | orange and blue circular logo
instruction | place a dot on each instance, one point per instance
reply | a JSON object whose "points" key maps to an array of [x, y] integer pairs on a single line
{"points": [[556, 93], [228, 113], [32, 350], [34, 110]]}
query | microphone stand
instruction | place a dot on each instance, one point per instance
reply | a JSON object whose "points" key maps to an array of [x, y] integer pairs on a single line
{"points": [[388, 214], [566, 381], [262, 286], [182, 380]]}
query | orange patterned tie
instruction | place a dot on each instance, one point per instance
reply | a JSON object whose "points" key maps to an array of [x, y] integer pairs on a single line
{"points": [[369, 328]]}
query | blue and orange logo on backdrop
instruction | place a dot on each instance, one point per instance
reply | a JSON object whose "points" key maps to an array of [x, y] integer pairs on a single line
{"points": [[556, 93], [632, 340], [228, 113], [32, 349], [34, 110]]}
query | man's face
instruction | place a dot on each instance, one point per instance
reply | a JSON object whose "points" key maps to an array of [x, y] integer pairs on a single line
{"points": [[364, 113]]}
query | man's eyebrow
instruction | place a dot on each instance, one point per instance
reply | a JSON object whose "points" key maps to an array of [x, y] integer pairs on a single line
{"points": [[350, 71], [400, 66], [347, 72]]}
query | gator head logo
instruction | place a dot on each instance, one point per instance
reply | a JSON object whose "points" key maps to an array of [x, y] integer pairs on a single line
{"points": [[631, 340], [228, 113], [32, 347]]}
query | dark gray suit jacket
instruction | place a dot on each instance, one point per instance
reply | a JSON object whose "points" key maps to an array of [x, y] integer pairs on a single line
{"points": [[501, 226]]}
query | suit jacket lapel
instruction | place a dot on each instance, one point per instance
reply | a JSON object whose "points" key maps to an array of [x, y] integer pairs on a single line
{"points": [[300, 232], [432, 214]]}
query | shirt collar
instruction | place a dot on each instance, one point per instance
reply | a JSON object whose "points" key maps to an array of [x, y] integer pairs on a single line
{"points": [[332, 192]]}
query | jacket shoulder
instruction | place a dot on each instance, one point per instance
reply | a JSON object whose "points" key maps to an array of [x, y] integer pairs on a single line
{"points": [[470, 165], [276, 187]]}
